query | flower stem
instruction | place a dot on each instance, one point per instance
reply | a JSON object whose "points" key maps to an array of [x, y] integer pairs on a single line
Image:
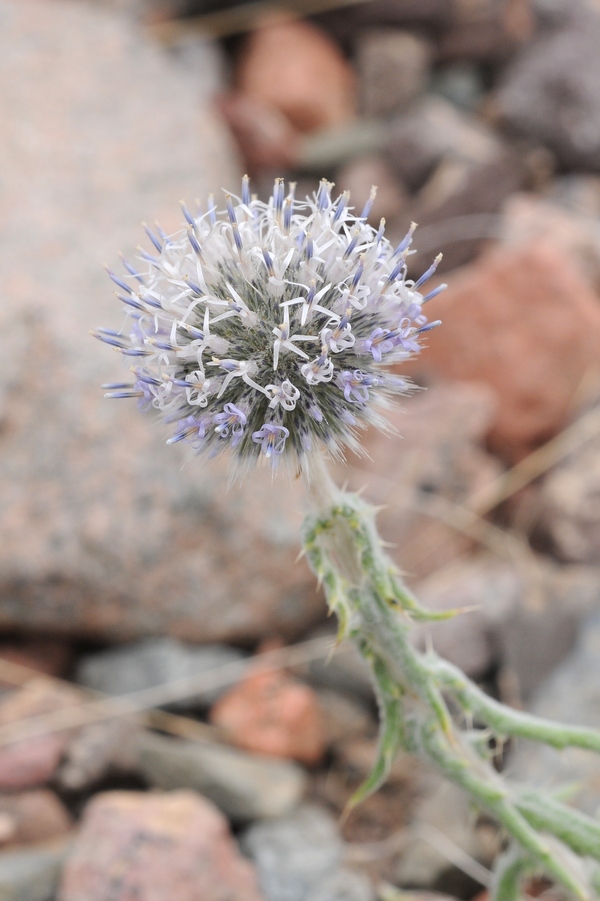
{"points": [[376, 610]]}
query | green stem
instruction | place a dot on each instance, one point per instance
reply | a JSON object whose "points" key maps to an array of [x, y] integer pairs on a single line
{"points": [[376, 610]]}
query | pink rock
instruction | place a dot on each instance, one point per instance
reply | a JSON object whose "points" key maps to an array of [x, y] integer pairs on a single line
{"points": [[297, 69], [525, 322], [33, 761], [156, 847], [269, 713], [35, 816]]}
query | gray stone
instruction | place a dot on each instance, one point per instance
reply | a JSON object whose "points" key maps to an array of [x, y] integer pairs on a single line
{"points": [[32, 874], [526, 616], [344, 885], [551, 92], [571, 695], [154, 661], [393, 68], [434, 129], [569, 508], [104, 531], [244, 786], [344, 671], [294, 855], [460, 83]]}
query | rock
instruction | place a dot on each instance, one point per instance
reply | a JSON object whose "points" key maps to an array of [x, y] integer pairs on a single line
{"points": [[97, 750], [447, 809], [294, 855], [438, 459], [36, 816], [569, 696], [269, 713], [524, 322], [151, 662], [550, 92], [160, 847], [344, 24], [45, 656], [32, 874], [297, 69], [527, 217], [344, 885], [393, 67], [461, 84], [489, 32], [454, 206], [433, 130], [343, 717], [359, 175], [33, 761], [245, 787], [103, 533], [266, 138], [526, 617]]}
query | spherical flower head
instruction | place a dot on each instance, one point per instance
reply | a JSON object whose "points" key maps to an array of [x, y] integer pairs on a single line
{"points": [[270, 328]]}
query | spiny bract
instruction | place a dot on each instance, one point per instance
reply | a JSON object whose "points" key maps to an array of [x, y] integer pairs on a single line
{"points": [[270, 328]]}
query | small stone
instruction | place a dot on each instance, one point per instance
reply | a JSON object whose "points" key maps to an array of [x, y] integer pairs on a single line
{"points": [[432, 130], [569, 510], [393, 67], [525, 323], [268, 713], [97, 750], [527, 217], [551, 91], [155, 661], [266, 138], [297, 69], [343, 717], [570, 695], [359, 175], [462, 84], [33, 761], [245, 787], [344, 885], [159, 847], [32, 874], [487, 32], [344, 24], [48, 657], [294, 855], [36, 816]]}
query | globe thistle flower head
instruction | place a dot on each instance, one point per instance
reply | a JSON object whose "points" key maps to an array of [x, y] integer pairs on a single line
{"points": [[269, 329]]}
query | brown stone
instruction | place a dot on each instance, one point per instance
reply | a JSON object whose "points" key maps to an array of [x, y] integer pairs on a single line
{"points": [[297, 69], [269, 713], [159, 847], [33, 761], [36, 816], [526, 323], [393, 68]]}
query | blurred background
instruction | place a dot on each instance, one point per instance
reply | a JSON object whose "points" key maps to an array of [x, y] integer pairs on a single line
{"points": [[126, 569]]}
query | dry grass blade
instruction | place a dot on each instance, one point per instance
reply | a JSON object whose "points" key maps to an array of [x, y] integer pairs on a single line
{"points": [[244, 17], [140, 702]]}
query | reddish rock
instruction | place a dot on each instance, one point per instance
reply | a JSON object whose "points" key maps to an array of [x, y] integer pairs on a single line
{"points": [[525, 322], [159, 847], [35, 816], [33, 761], [269, 713], [265, 136], [297, 69]]}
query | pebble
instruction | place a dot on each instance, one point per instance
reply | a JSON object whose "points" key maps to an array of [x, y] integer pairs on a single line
{"points": [[294, 855], [269, 713], [526, 323], [154, 661], [299, 70], [32, 874], [393, 70], [35, 816], [245, 787], [550, 92], [570, 695], [34, 761], [159, 847], [97, 751]]}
